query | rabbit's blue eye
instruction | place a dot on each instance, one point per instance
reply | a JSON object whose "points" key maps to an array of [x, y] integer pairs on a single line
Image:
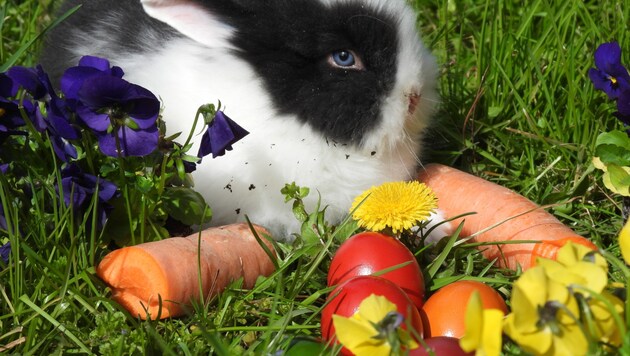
{"points": [[343, 58]]}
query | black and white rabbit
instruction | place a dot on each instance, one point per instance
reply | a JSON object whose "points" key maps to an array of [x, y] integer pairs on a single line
{"points": [[336, 94]]}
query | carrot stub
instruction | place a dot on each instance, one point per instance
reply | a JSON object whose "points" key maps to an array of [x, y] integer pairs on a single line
{"points": [[460, 193], [141, 275]]}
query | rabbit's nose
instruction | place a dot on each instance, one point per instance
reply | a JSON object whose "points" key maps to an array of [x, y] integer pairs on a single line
{"points": [[414, 98]]}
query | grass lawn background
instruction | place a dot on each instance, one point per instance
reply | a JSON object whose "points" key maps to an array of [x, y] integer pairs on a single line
{"points": [[517, 109]]}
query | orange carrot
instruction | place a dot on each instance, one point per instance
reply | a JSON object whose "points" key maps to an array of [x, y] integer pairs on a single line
{"points": [[140, 275], [459, 193]]}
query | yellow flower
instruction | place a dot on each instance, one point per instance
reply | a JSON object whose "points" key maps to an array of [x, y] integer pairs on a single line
{"points": [[577, 266], [606, 329], [571, 254], [624, 242], [544, 316], [483, 328], [365, 332], [395, 205]]}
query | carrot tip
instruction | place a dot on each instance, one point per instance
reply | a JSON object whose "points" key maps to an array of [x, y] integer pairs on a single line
{"points": [[549, 249]]}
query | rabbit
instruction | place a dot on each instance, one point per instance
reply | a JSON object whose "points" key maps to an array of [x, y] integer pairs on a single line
{"points": [[337, 95]]}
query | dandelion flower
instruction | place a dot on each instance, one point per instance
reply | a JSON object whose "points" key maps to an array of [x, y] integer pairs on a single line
{"points": [[395, 205]]}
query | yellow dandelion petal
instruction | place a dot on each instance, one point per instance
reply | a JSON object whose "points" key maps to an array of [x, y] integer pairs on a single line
{"points": [[395, 205]]}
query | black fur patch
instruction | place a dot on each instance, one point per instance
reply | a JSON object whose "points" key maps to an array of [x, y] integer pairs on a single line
{"points": [[286, 42]]}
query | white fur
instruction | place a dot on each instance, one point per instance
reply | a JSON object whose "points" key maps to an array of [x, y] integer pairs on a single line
{"points": [[188, 73]]}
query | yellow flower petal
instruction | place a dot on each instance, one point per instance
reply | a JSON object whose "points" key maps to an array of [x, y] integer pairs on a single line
{"points": [[538, 342], [483, 328], [374, 308], [395, 205], [473, 322], [352, 332], [607, 330], [571, 341], [572, 253], [491, 343], [585, 274], [624, 242], [357, 332], [544, 318]]}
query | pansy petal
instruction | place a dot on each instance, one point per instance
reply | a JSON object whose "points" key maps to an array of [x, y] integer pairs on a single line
{"points": [[103, 91], [73, 78], [221, 135], [537, 342], [491, 342], [600, 80], [132, 143], [144, 107], [63, 149], [607, 54], [473, 323], [96, 121], [73, 194], [606, 327], [624, 242], [374, 308], [97, 63], [8, 88], [61, 127], [29, 79], [352, 332], [531, 284], [594, 277], [107, 190], [570, 341]]}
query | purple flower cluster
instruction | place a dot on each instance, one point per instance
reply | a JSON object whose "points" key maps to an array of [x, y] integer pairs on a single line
{"points": [[121, 114], [612, 77], [93, 104]]}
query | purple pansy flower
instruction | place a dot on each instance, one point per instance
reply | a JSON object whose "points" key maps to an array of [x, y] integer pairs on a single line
{"points": [[56, 121], [79, 188], [10, 116], [8, 88], [221, 134], [122, 115], [89, 66], [33, 80], [5, 252], [610, 76]]}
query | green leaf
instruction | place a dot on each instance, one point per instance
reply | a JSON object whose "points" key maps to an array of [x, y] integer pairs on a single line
{"points": [[619, 178], [614, 154], [615, 138], [186, 205], [144, 184]]}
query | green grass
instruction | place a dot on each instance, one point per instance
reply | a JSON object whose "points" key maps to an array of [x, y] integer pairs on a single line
{"points": [[517, 109]]}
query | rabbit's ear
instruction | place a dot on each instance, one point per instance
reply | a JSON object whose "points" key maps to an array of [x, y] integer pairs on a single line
{"points": [[191, 19]]}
